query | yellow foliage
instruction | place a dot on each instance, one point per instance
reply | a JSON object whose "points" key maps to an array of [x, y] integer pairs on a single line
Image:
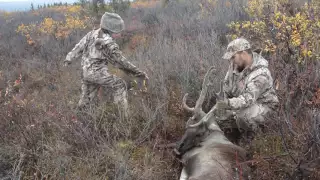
{"points": [[254, 7], [48, 25], [281, 28], [72, 22], [144, 3], [58, 29], [75, 9]]}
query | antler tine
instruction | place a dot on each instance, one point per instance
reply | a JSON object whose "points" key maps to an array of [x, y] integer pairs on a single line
{"points": [[184, 104], [196, 124], [220, 94], [203, 120], [204, 90], [198, 107]]}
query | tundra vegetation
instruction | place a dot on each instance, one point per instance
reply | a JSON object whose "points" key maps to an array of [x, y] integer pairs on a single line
{"points": [[175, 42]]}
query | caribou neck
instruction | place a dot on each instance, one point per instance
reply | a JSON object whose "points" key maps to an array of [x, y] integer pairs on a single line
{"points": [[216, 135]]}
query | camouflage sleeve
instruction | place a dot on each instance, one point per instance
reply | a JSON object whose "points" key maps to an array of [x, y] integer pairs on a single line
{"points": [[118, 59], [77, 50], [253, 90]]}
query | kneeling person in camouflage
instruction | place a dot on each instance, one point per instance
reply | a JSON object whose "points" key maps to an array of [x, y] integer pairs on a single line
{"points": [[248, 88], [98, 49]]}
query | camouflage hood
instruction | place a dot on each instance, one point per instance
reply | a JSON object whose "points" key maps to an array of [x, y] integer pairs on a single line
{"points": [[112, 22], [258, 62]]}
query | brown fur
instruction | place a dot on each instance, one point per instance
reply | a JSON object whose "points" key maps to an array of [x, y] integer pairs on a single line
{"points": [[236, 155], [228, 158]]}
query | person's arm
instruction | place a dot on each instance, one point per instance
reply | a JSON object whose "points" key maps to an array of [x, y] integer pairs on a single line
{"points": [[117, 58], [76, 52], [253, 90]]}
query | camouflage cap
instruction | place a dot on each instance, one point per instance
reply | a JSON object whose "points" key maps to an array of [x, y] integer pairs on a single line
{"points": [[112, 22], [237, 45]]}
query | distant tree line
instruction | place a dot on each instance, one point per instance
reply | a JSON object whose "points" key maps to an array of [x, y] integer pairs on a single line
{"points": [[96, 7], [49, 5]]}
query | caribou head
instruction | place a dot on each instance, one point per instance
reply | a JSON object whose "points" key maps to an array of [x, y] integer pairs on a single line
{"points": [[192, 137], [196, 133]]}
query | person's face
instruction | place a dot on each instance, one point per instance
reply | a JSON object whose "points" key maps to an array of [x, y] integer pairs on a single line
{"points": [[239, 59], [113, 35], [116, 35]]}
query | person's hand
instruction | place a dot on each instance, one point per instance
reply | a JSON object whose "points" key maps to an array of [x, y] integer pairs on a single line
{"points": [[141, 81], [221, 107], [143, 75], [66, 64]]}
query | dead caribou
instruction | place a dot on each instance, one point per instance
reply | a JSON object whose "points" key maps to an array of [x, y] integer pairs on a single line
{"points": [[204, 150]]}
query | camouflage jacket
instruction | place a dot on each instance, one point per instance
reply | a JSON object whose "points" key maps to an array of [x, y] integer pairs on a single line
{"points": [[253, 85], [98, 49]]}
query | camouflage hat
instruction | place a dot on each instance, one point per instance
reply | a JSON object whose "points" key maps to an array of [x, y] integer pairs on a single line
{"points": [[235, 46], [112, 22]]}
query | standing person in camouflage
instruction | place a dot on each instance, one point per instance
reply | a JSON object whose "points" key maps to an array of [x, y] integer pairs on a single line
{"points": [[248, 89], [98, 49]]}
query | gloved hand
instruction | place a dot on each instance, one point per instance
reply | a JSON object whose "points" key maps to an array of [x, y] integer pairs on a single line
{"points": [[66, 63], [143, 75], [221, 107], [141, 82]]}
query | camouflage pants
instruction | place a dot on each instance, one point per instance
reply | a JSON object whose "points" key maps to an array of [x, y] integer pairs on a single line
{"points": [[92, 82], [247, 119]]}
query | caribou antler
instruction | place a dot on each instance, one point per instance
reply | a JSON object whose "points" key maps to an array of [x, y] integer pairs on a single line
{"points": [[220, 94], [197, 111]]}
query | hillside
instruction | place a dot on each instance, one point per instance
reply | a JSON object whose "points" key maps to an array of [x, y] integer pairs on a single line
{"points": [[43, 136]]}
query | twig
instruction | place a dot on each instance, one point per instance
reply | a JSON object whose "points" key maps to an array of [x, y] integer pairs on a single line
{"points": [[287, 106], [285, 144], [274, 157], [17, 169]]}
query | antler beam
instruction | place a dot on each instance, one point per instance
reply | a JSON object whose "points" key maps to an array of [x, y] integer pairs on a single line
{"points": [[197, 111]]}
